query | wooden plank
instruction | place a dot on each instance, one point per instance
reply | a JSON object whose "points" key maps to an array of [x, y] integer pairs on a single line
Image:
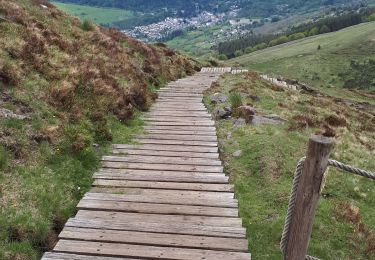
{"points": [[134, 151], [174, 148], [118, 193], [149, 252], [146, 238], [172, 118], [181, 137], [162, 198], [162, 176], [177, 142], [161, 160], [178, 114], [162, 167], [164, 185], [71, 256], [165, 228], [208, 129], [158, 208], [180, 132], [180, 123], [161, 219]]}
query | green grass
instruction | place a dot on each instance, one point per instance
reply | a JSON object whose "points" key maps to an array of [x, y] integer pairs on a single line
{"points": [[99, 15], [303, 61], [197, 43], [51, 184], [263, 174]]}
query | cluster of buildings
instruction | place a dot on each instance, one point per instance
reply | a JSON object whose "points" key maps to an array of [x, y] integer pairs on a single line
{"points": [[158, 31]]}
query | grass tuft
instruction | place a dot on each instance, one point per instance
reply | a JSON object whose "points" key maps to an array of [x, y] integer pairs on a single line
{"points": [[235, 99]]}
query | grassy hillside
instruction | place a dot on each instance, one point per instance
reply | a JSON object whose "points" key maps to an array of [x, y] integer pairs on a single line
{"points": [[103, 16], [305, 61], [67, 89], [344, 227]]}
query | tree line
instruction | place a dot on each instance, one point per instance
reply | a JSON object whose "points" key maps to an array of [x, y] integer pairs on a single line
{"points": [[253, 42]]}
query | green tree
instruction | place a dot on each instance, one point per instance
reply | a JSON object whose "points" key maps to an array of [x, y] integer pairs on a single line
{"points": [[222, 57], [238, 53], [324, 29], [314, 31], [296, 36], [371, 18]]}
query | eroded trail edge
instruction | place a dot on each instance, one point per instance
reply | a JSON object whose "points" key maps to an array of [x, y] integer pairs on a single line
{"points": [[166, 197]]}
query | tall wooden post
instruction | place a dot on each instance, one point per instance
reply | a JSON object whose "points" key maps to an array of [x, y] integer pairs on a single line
{"points": [[308, 194]]}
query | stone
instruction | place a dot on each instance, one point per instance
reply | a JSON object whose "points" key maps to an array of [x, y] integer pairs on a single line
{"points": [[9, 114], [229, 136], [218, 98], [246, 112], [261, 120], [237, 153], [222, 113], [239, 122]]}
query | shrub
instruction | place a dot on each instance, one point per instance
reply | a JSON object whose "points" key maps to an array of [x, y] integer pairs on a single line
{"points": [[371, 18], [324, 29], [314, 31], [223, 57], [87, 25], [296, 36], [235, 99], [238, 53]]}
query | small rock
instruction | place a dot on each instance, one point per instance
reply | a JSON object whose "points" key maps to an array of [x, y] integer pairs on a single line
{"points": [[222, 113], [218, 98], [229, 136], [246, 112], [9, 114], [239, 122], [261, 120], [237, 153]]}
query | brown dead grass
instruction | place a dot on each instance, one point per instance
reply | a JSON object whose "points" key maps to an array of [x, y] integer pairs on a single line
{"points": [[351, 214]]}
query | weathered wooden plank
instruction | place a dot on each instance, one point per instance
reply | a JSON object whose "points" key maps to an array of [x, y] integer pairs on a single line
{"points": [[161, 160], [134, 151], [161, 198], [167, 136], [164, 185], [149, 252], [145, 238], [208, 129], [201, 115], [176, 132], [162, 167], [175, 148], [181, 123], [161, 219], [71, 256], [118, 193], [158, 208], [162, 176], [171, 118], [165, 228], [177, 142]]}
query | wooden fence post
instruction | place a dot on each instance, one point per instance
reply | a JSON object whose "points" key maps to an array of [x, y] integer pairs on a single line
{"points": [[308, 194]]}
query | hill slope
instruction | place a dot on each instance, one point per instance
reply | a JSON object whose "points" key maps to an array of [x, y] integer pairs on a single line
{"points": [[305, 61], [66, 88]]}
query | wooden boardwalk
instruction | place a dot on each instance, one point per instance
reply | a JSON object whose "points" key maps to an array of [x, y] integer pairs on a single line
{"points": [[166, 198]]}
